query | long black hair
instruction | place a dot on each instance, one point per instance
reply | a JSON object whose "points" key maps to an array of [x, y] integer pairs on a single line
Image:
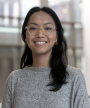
{"points": [[58, 60]]}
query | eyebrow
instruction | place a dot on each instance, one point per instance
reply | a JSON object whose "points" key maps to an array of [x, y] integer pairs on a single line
{"points": [[43, 24], [48, 23], [33, 23]]}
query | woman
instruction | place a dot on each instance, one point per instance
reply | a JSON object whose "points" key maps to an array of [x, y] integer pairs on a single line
{"points": [[45, 80]]}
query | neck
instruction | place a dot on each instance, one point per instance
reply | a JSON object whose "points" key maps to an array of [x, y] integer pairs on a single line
{"points": [[40, 60]]}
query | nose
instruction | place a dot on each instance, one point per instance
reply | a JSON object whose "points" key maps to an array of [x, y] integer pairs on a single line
{"points": [[40, 33]]}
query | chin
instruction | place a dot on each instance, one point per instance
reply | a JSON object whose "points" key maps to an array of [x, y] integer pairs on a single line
{"points": [[42, 52]]}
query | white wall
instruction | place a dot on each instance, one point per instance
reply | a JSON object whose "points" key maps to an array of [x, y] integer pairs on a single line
{"points": [[86, 40]]}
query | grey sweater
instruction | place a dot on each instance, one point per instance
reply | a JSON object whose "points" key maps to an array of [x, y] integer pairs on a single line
{"points": [[26, 88]]}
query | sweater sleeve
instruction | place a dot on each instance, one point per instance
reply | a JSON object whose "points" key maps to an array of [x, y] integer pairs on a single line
{"points": [[80, 99], [7, 96]]}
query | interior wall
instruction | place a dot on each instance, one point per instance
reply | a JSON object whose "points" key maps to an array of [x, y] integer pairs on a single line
{"points": [[86, 41]]}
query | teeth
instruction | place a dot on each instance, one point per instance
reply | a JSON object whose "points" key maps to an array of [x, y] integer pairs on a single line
{"points": [[40, 42]]}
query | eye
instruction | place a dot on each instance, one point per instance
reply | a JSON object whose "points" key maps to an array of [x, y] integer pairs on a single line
{"points": [[32, 28], [48, 28]]}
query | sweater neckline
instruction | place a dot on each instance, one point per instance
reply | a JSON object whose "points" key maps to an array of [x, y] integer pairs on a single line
{"points": [[38, 69]]}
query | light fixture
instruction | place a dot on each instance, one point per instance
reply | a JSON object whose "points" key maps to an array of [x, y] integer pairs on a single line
{"points": [[81, 5], [50, 0], [64, 10]]}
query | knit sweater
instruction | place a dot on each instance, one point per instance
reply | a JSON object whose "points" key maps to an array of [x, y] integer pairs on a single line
{"points": [[26, 88]]}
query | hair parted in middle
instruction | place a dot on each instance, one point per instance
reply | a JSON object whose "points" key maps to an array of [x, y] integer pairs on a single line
{"points": [[58, 60]]}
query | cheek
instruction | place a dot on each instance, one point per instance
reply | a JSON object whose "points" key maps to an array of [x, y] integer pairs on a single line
{"points": [[28, 38], [28, 41], [53, 38]]}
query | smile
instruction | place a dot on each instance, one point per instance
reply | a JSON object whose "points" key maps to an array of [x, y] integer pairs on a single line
{"points": [[40, 43]]}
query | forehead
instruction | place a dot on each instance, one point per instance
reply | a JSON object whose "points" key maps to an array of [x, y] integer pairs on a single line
{"points": [[41, 18]]}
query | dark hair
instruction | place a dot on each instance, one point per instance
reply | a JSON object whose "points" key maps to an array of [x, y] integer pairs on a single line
{"points": [[58, 61]]}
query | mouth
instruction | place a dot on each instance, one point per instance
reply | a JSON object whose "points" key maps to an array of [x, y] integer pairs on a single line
{"points": [[40, 43]]}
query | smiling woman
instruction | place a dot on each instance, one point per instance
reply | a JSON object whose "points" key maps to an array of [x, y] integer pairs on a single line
{"points": [[44, 64], [41, 37]]}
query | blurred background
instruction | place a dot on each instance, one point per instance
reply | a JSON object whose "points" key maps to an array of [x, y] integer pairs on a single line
{"points": [[75, 19]]}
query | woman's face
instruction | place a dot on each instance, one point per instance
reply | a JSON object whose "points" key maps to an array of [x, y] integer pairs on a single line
{"points": [[40, 43]]}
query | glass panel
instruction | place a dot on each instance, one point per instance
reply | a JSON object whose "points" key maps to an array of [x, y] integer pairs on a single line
{"points": [[73, 35], [1, 21], [63, 9], [78, 54], [78, 35], [1, 8], [15, 22], [9, 8], [67, 10], [77, 10], [21, 22], [68, 32], [71, 60], [9, 22]]}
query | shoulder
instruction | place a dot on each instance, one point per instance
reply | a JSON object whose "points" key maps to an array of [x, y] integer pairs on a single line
{"points": [[73, 71], [75, 74], [76, 79], [78, 87], [14, 75]]}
